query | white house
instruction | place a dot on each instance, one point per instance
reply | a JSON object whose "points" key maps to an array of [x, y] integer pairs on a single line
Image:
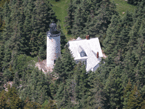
{"points": [[86, 50]]}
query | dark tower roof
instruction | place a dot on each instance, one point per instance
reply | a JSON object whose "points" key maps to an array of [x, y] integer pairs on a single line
{"points": [[53, 30], [52, 27]]}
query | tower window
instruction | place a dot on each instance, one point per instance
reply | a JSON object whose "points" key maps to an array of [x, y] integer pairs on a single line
{"points": [[54, 61]]}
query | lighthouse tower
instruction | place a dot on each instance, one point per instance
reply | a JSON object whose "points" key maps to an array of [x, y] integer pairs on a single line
{"points": [[53, 45]]}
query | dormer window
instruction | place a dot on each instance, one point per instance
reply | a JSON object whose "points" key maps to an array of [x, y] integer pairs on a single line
{"points": [[81, 52]]}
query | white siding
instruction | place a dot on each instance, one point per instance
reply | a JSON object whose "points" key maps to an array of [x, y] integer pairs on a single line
{"points": [[53, 49], [91, 47]]}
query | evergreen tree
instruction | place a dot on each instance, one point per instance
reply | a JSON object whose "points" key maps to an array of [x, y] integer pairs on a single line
{"points": [[42, 53], [69, 19], [126, 94], [1, 56], [135, 99], [7, 28], [1, 81], [26, 25], [63, 95], [50, 105], [10, 99], [79, 22], [117, 34], [63, 41], [58, 68], [134, 2], [22, 64], [139, 51], [68, 63], [16, 82], [113, 90], [140, 10], [2, 23], [90, 27], [81, 87], [134, 35], [111, 38], [37, 87], [105, 13], [129, 65], [29, 104], [96, 83]]}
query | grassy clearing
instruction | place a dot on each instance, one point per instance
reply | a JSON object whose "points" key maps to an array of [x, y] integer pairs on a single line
{"points": [[60, 9], [122, 6]]}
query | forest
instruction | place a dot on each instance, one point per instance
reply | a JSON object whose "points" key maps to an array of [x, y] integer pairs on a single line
{"points": [[117, 84]]}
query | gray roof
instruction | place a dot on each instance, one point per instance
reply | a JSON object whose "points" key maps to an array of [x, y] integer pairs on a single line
{"points": [[90, 47]]}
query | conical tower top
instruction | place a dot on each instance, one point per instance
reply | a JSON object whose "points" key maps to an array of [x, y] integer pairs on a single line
{"points": [[52, 27], [53, 30]]}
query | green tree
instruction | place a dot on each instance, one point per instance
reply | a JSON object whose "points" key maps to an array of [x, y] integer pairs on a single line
{"points": [[49, 105], [134, 2], [29, 104], [140, 55], [126, 94], [36, 87], [113, 90], [134, 100], [81, 93], [10, 99], [63, 41], [69, 19], [42, 52], [16, 81], [134, 35], [105, 13], [111, 38], [68, 63], [58, 68], [25, 34], [1, 56], [2, 23], [79, 22]]}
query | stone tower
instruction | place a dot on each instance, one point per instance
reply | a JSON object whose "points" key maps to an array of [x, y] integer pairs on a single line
{"points": [[53, 45]]}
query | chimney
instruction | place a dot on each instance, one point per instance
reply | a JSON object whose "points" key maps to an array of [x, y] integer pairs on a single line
{"points": [[97, 54], [87, 37]]}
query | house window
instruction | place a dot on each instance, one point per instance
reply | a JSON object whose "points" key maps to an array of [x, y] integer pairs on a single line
{"points": [[83, 62], [82, 54]]}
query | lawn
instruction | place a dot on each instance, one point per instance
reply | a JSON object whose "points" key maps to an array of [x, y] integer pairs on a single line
{"points": [[122, 6], [60, 9]]}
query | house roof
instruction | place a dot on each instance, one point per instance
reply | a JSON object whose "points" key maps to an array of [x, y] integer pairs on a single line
{"points": [[90, 47]]}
